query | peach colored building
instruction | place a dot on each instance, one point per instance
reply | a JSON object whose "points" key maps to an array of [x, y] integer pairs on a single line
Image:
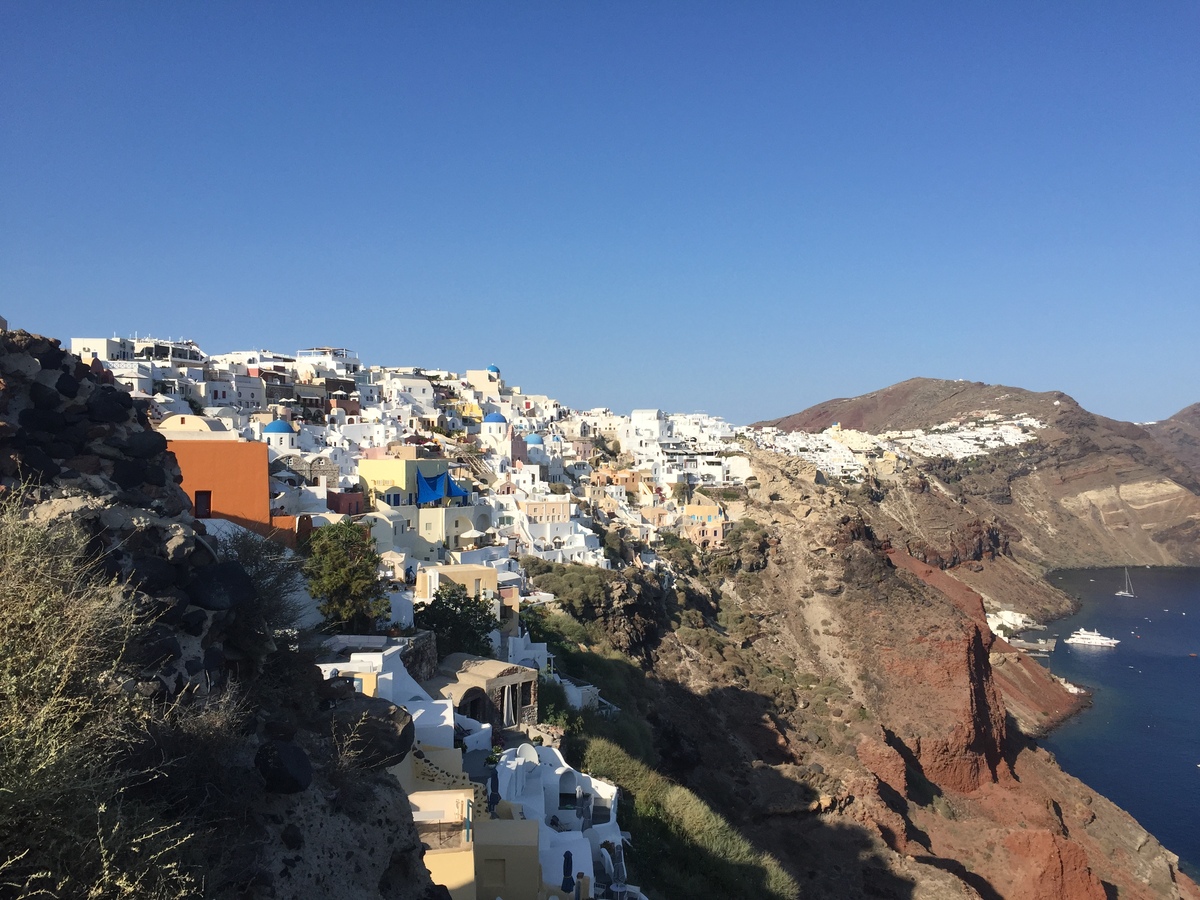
{"points": [[704, 525], [549, 508], [227, 479], [478, 580]]}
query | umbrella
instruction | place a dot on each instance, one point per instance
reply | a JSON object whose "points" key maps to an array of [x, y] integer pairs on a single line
{"points": [[568, 883], [618, 886], [493, 791]]}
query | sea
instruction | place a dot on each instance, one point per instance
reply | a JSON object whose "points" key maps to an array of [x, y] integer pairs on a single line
{"points": [[1139, 742]]}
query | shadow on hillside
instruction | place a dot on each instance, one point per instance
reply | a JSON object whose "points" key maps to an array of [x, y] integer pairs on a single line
{"points": [[732, 750], [982, 886], [760, 771]]}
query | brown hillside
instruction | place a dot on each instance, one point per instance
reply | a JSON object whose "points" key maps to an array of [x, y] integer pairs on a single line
{"points": [[1180, 436], [1088, 491], [923, 402]]}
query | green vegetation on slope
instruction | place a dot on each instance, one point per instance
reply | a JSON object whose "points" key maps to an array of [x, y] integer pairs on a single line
{"points": [[683, 847], [682, 843]]}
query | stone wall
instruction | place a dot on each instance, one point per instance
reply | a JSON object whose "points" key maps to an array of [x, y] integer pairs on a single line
{"points": [[420, 656]]}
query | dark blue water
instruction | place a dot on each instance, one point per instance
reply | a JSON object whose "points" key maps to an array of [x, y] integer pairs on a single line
{"points": [[1139, 743]]}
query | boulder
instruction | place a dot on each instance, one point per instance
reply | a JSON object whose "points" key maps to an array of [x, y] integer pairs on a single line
{"points": [[194, 621], [67, 385], [284, 766], [109, 405], [152, 574], [43, 396], [220, 586], [85, 463], [158, 645], [129, 473], [145, 444], [48, 420], [37, 463], [373, 733]]}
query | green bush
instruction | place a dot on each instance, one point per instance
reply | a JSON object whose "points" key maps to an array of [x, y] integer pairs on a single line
{"points": [[553, 708], [461, 623], [276, 573]]}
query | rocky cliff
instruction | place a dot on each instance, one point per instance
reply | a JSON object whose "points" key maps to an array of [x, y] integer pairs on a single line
{"points": [[897, 751], [1088, 491], [1180, 436]]}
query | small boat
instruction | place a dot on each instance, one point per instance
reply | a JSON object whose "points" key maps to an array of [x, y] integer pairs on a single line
{"points": [[1127, 591], [1090, 639]]}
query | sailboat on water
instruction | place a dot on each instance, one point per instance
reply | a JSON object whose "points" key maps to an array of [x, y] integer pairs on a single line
{"points": [[1127, 591]]}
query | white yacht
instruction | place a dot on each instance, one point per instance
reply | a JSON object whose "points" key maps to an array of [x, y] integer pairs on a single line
{"points": [[1126, 591], [1091, 639]]}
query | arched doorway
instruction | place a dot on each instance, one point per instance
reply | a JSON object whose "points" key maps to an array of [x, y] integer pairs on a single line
{"points": [[476, 704]]}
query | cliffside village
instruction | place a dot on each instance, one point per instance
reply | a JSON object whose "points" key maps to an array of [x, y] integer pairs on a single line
{"points": [[457, 476]]}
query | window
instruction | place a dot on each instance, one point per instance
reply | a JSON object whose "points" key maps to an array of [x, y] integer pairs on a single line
{"points": [[526, 693]]}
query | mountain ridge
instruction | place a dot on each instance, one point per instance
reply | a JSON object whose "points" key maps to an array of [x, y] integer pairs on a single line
{"points": [[1088, 491], [1179, 435]]}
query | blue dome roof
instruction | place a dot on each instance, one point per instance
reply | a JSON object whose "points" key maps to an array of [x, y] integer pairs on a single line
{"points": [[493, 370], [533, 439], [278, 427], [495, 417], [556, 437]]}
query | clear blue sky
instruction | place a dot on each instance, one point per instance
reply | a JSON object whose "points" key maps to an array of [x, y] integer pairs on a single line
{"points": [[744, 208]]}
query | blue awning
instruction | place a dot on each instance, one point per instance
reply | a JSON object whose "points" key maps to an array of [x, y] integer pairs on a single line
{"points": [[431, 488]]}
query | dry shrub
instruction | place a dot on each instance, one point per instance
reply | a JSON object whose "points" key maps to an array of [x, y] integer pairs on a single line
{"points": [[73, 822]]}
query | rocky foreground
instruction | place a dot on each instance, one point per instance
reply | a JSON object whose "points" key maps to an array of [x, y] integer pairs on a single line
{"points": [[193, 758]]}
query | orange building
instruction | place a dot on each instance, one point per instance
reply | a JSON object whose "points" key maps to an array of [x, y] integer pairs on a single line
{"points": [[228, 480]]}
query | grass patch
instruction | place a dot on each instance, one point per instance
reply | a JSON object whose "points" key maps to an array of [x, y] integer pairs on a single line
{"points": [[684, 848]]}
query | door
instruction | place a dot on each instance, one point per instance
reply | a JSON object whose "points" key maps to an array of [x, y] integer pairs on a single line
{"points": [[203, 504]]}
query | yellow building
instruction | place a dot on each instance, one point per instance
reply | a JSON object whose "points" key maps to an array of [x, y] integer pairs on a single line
{"points": [[445, 823], [506, 857], [479, 581], [394, 480], [444, 804], [475, 856]]}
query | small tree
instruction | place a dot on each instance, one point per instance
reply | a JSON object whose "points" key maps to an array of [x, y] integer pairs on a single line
{"points": [[461, 622], [343, 573], [276, 573]]}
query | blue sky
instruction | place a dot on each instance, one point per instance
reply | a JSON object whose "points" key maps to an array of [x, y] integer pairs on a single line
{"points": [[744, 208]]}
